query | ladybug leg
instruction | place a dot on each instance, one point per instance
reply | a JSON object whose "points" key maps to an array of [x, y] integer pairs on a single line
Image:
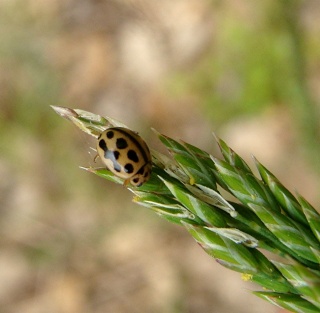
{"points": [[126, 182], [95, 158]]}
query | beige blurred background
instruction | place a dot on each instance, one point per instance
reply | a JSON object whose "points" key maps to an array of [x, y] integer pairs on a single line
{"points": [[73, 243]]}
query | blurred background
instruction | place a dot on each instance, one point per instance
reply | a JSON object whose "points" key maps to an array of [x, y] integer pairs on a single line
{"points": [[74, 243]]}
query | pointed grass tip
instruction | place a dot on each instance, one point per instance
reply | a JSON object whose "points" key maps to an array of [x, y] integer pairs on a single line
{"points": [[64, 112]]}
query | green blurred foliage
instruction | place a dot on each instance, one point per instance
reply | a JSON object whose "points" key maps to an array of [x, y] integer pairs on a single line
{"points": [[252, 66], [29, 82]]}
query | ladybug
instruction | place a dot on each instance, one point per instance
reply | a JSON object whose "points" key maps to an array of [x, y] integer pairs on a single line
{"points": [[125, 154]]}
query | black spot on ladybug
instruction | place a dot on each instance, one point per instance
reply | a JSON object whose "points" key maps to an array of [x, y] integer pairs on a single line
{"points": [[116, 154], [128, 168], [110, 134], [121, 143], [140, 172], [135, 180], [103, 145], [132, 155]]}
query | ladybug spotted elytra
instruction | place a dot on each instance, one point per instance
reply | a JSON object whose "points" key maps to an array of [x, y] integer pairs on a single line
{"points": [[125, 154]]}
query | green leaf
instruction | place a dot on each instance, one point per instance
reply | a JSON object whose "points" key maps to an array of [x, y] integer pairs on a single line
{"points": [[285, 231], [283, 195], [290, 302], [231, 157], [90, 123], [204, 211], [305, 280], [104, 173], [235, 235], [239, 258], [244, 186], [313, 217], [195, 162], [269, 276], [212, 197], [225, 251], [166, 207]]}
